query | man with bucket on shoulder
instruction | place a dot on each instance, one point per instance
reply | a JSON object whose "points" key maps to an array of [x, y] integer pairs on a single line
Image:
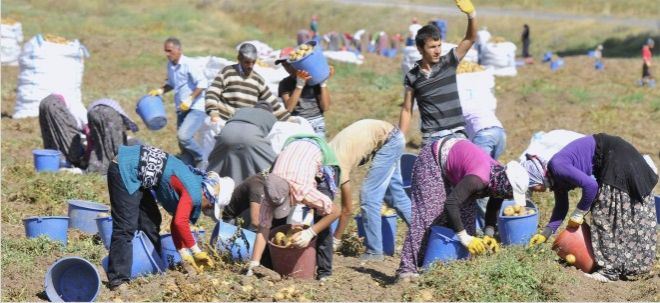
{"points": [[137, 178], [432, 82], [238, 86], [188, 83], [305, 168], [383, 144]]}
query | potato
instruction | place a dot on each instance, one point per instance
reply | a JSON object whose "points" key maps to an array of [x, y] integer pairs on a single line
{"points": [[570, 259], [508, 211], [518, 208]]}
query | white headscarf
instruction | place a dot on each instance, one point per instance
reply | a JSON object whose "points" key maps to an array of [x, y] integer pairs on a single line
{"points": [[519, 180]]}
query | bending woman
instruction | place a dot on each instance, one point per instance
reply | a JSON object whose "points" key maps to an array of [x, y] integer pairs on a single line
{"points": [[623, 219], [461, 165]]}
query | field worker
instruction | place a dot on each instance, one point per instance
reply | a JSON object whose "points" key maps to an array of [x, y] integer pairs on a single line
{"points": [[526, 41], [383, 144], [242, 149], [458, 164], [307, 101], [61, 130], [237, 86], [619, 197], [108, 124], [432, 82], [188, 83], [183, 191], [294, 180], [245, 202], [647, 55]]}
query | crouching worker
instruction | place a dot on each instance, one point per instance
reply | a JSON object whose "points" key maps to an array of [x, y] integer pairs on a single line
{"points": [[470, 173], [245, 202], [183, 191], [294, 180], [355, 145], [620, 199]]}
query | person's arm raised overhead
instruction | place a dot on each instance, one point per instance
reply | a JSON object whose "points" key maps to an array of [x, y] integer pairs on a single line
{"points": [[464, 46]]}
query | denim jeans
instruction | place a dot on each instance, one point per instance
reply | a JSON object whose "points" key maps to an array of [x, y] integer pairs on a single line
{"points": [[318, 124], [383, 177], [188, 123], [493, 141]]}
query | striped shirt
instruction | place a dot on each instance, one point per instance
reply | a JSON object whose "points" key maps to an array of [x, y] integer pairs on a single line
{"points": [[437, 94], [299, 164], [230, 91]]}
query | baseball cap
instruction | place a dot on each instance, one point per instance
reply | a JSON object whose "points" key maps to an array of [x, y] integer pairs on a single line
{"points": [[284, 55], [277, 195]]}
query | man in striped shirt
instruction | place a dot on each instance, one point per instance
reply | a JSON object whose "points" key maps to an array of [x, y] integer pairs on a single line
{"points": [[432, 82], [238, 86]]}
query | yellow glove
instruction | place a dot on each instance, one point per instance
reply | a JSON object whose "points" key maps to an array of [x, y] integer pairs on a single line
{"points": [[536, 240], [203, 260], [476, 246], [190, 261], [156, 92], [465, 6], [491, 243], [185, 104]]}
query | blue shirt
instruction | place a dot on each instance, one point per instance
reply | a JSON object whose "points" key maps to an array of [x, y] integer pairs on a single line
{"points": [[184, 78]]}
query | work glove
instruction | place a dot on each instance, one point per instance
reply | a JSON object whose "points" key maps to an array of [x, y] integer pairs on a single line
{"points": [[302, 239], [251, 266], [188, 263], [156, 92], [465, 6], [491, 243], [203, 260], [576, 219], [336, 244], [475, 246], [185, 104], [540, 237], [301, 78]]}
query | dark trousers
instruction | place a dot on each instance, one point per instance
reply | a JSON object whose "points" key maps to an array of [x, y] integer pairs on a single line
{"points": [[130, 212]]}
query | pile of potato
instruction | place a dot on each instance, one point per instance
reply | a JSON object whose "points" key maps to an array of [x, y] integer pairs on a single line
{"points": [[301, 52], [469, 67], [517, 210], [55, 39], [284, 239], [497, 39], [8, 21]]}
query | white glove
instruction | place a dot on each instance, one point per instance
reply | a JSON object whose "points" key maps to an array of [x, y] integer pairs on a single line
{"points": [[464, 238], [489, 231], [302, 239], [252, 265], [336, 244]]}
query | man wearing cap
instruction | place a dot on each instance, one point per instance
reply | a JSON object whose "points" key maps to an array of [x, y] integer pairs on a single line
{"points": [[183, 191], [294, 180], [237, 86], [307, 101], [188, 83]]}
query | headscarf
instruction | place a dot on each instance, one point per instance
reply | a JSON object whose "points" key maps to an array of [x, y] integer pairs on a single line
{"points": [[536, 171], [217, 192], [519, 180]]}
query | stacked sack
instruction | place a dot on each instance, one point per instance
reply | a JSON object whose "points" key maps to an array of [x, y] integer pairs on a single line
{"points": [[475, 90], [50, 64], [500, 55], [10, 45]]}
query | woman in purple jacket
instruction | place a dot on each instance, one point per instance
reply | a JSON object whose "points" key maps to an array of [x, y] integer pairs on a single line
{"points": [[616, 184]]}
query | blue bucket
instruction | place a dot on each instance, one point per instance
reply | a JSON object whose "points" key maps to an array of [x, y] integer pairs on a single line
{"points": [[547, 57], [72, 279], [46, 160], [407, 162], [152, 111], [443, 246], [315, 64], [599, 65], [657, 208], [555, 65], [517, 230], [104, 225], [240, 248], [388, 228], [54, 227], [146, 260], [82, 215], [168, 251]]}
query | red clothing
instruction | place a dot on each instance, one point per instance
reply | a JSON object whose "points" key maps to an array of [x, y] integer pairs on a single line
{"points": [[180, 226], [646, 53]]}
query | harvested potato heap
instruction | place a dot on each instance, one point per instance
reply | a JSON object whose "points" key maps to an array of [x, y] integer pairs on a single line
{"points": [[284, 239], [469, 67], [8, 21], [301, 52], [517, 210], [56, 39]]}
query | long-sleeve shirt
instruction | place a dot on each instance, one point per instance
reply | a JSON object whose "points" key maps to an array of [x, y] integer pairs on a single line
{"points": [[184, 77], [572, 167], [231, 90], [128, 122], [181, 234], [299, 164]]}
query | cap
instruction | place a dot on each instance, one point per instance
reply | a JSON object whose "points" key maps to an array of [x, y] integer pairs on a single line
{"points": [[284, 55], [277, 195], [248, 51]]}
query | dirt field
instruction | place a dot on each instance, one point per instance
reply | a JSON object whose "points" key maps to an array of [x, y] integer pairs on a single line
{"points": [[125, 42]]}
